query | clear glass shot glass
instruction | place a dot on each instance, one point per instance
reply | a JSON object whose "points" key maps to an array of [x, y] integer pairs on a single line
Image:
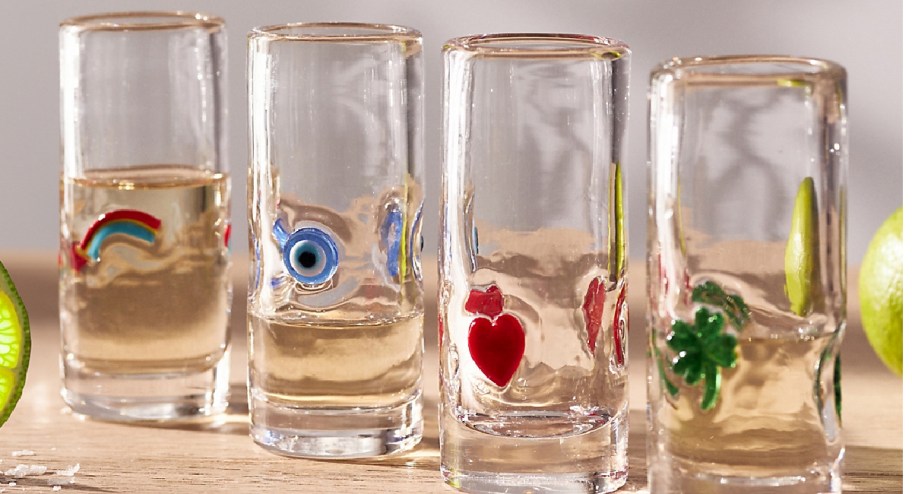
{"points": [[144, 224], [533, 272], [746, 274], [335, 198]]}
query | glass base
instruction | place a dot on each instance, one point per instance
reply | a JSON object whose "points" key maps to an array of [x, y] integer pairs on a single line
{"points": [[679, 477], [173, 396], [521, 483], [336, 433], [594, 461]]}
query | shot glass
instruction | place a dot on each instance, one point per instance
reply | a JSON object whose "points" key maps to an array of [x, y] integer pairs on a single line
{"points": [[144, 224], [533, 314], [746, 274], [335, 193]]}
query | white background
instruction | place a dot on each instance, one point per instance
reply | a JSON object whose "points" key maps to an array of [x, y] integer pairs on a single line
{"points": [[864, 36]]}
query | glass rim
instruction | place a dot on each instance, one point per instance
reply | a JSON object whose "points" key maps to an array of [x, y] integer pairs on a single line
{"points": [[792, 67], [335, 32], [143, 21], [563, 45]]}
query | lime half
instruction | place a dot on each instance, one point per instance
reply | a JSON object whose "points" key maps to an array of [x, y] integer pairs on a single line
{"points": [[880, 292], [15, 345]]}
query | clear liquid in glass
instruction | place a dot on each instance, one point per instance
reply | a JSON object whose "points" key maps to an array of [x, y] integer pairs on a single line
{"points": [[335, 369], [145, 325], [565, 409]]}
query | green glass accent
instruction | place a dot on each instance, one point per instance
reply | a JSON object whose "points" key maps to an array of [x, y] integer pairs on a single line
{"points": [[712, 294], [620, 232], [793, 82], [802, 280], [703, 349], [837, 385]]}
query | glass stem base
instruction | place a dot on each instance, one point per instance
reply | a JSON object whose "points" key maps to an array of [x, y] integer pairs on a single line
{"points": [[335, 433], [171, 396]]}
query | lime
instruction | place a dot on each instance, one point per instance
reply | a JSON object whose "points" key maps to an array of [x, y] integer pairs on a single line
{"points": [[15, 345], [801, 283], [880, 292]]}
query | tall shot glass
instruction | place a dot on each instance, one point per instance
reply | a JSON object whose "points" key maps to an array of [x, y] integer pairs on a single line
{"points": [[746, 273], [533, 364], [144, 224], [335, 193]]}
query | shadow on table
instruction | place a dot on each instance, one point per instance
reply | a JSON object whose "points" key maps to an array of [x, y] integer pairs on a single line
{"points": [[425, 456], [47, 482], [235, 420]]}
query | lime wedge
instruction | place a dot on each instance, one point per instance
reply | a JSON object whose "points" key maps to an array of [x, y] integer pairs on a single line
{"points": [[801, 261], [15, 345]]}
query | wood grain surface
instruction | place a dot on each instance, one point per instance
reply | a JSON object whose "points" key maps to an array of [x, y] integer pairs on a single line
{"points": [[220, 457]]}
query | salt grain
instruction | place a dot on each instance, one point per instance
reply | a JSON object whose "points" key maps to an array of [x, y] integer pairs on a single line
{"points": [[23, 452], [56, 488], [25, 470], [68, 471], [61, 481]]}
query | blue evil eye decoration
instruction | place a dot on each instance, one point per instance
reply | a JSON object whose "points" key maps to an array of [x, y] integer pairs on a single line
{"points": [[391, 235], [310, 254], [416, 243]]}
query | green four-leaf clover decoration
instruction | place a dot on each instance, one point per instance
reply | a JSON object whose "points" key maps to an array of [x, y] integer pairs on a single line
{"points": [[703, 348]]}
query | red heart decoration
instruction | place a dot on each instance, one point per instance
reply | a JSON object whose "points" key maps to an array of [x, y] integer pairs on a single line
{"points": [[497, 346], [618, 343], [593, 306], [489, 302]]}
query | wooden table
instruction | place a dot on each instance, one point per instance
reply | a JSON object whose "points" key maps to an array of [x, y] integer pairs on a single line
{"points": [[222, 458]]}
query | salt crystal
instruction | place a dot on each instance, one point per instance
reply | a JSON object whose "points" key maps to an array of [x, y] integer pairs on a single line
{"points": [[25, 470], [56, 488], [23, 452], [68, 471], [61, 481], [11, 484]]}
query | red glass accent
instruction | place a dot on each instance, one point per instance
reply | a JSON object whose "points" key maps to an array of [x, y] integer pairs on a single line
{"points": [[489, 302], [439, 331], [121, 214], [593, 307], [618, 342], [497, 346]]}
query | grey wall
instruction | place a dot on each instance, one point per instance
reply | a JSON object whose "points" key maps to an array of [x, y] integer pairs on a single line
{"points": [[864, 36]]}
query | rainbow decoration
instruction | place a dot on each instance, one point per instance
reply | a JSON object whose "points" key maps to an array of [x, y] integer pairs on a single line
{"points": [[130, 222]]}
